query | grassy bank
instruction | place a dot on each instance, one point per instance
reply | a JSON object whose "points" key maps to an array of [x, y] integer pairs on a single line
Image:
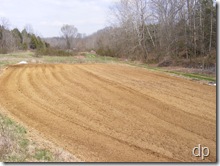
{"points": [[13, 58], [16, 147], [196, 76]]}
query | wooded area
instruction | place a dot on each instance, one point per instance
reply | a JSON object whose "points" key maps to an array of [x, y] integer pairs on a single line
{"points": [[151, 31], [159, 29], [13, 40]]}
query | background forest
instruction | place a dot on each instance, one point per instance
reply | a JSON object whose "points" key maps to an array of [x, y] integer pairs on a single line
{"points": [[166, 32]]}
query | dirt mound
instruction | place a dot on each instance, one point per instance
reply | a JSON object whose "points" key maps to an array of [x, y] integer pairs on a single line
{"points": [[103, 112]]}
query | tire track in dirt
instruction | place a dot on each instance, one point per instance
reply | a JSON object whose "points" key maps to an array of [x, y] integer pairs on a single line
{"points": [[157, 84], [159, 113], [41, 78], [57, 78], [103, 112]]}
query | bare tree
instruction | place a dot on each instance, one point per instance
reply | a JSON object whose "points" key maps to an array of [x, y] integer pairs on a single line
{"points": [[70, 33], [4, 26], [29, 29], [145, 29], [4, 23]]}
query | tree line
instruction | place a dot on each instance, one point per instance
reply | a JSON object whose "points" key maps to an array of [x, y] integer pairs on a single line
{"points": [[12, 40], [151, 31], [144, 30], [156, 29]]}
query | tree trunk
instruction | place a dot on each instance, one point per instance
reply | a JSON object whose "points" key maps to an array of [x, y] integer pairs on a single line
{"points": [[194, 30], [210, 40], [201, 24]]}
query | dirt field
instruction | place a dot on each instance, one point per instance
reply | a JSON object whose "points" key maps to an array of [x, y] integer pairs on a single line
{"points": [[107, 112]]}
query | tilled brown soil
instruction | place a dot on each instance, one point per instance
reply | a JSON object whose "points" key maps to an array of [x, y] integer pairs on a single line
{"points": [[109, 112]]}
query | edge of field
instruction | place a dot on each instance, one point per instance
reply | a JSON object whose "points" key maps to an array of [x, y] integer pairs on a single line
{"points": [[17, 144], [86, 57]]}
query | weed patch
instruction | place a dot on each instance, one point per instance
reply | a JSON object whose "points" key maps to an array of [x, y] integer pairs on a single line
{"points": [[16, 147]]}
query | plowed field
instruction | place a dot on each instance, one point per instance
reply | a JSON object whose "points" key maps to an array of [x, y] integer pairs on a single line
{"points": [[111, 112]]}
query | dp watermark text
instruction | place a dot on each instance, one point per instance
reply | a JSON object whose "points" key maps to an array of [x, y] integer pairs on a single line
{"points": [[200, 151]]}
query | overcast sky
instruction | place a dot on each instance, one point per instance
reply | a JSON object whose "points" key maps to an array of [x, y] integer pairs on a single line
{"points": [[48, 16]]}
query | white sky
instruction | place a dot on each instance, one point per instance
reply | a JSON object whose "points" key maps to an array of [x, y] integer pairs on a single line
{"points": [[48, 16]]}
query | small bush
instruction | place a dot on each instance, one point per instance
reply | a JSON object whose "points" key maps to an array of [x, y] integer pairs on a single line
{"points": [[106, 52], [3, 51]]}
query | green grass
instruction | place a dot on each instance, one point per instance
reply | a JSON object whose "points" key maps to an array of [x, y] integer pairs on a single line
{"points": [[59, 59], [188, 75], [99, 59], [193, 76], [43, 155], [8, 122], [13, 58], [17, 147], [21, 130], [26, 54], [6, 63], [15, 144], [88, 58], [91, 55], [24, 143]]}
